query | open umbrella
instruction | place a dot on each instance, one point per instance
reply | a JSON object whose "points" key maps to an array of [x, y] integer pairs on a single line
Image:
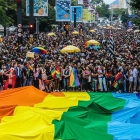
{"points": [[129, 30], [51, 34], [92, 31], [70, 49], [136, 31], [39, 50], [92, 44], [75, 33]]}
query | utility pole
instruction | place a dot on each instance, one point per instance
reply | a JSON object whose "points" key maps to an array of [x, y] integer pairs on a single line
{"points": [[74, 17], [37, 27], [31, 19], [19, 20]]}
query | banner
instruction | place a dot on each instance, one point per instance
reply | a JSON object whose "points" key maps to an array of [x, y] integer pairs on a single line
{"points": [[88, 16], [63, 10], [40, 8], [79, 13], [30, 54], [80, 1]]}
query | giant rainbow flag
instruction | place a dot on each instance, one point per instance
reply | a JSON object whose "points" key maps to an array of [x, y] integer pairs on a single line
{"points": [[30, 114]]}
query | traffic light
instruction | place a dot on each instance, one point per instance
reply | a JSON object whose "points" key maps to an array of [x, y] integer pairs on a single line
{"points": [[66, 26], [19, 31], [19, 3], [31, 28]]}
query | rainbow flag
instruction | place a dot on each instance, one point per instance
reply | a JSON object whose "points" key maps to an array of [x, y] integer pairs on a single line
{"points": [[74, 81], [115, 85], [53, 73], [68, 115], [58, 72]]}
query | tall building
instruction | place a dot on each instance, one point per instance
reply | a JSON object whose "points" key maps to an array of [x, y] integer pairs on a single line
{"points": [[122, 3], [129, 8], [113, 6]]}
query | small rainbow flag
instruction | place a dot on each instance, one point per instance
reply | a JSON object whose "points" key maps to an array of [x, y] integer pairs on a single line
{"points": [[53, 73], [57, 72], [74, 81], [115, 85]]}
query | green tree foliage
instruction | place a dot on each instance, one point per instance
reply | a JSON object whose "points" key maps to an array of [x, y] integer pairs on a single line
{"points": [[97, 2], [124, 17], [45, 23], [74, 2], [52, 2], [103, 10], [4, 16], [119, 11], [136, 21], [135, 4]]}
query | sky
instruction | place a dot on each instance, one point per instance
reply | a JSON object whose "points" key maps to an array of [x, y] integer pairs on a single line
{"points": [[108, 1]]}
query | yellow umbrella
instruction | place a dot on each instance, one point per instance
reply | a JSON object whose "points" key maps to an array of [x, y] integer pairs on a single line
{"points": [[111, 27], [95, 29], [70, 49], [0, 39], [93, 42], [136, 31], [75, 33], [92, 31], [51, 34]]}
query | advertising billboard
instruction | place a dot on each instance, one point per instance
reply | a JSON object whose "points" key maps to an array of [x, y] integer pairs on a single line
{"points": [[79, 13], [62, 8], [88, 16], [40, 7]]}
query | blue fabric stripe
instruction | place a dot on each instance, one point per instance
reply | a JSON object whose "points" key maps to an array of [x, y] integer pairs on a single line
{"points": [[125, 124], [124, 131], [126, 96]]}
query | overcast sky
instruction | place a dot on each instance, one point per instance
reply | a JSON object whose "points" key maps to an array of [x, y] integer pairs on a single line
{"points": [[108, 1]]}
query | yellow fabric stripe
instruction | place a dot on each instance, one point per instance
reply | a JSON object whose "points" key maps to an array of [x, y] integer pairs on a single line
{"points": [[81, 96], [30, 123]]}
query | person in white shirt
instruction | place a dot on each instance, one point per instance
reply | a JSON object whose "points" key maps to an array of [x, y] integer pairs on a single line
{"points": [[135, 77], [83, 60]]}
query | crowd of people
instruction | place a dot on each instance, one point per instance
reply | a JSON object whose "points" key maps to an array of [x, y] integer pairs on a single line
{"points": [[97, 69]]}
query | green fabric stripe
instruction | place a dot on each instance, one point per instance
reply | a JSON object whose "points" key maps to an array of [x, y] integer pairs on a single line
{"points": [[88, 120]]}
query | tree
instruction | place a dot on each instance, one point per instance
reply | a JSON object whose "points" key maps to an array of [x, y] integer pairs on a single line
{"points": [[52, 2], [103, 10], [45, 23], [74, 2], [4, 17], [124, 17], [119, 11], [135, 4], [136, 21], [97, 2]]}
